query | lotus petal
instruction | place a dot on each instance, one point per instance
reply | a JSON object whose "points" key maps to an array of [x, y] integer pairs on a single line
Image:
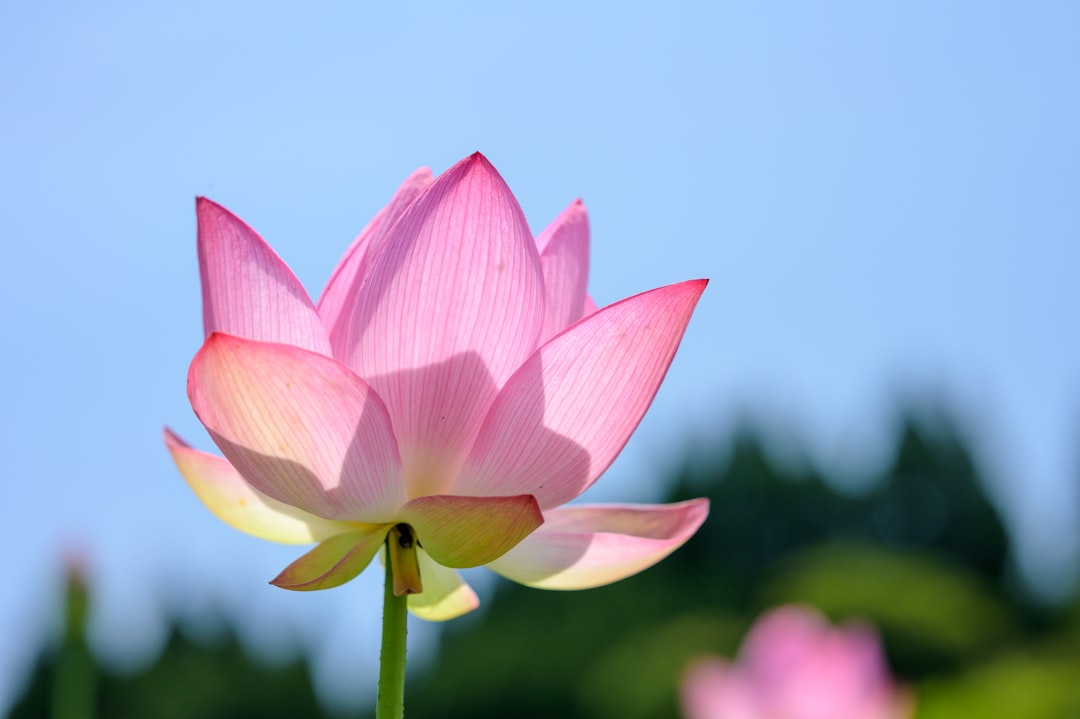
{"points": [[241, 506], [446, 595], [590, 306], [470, 531], [583, 546], [300, 427], [335, 560], [712, 687], [453, 303], [564, 256], [247, 290], [793, 663], [566, 414], [344, 283]]}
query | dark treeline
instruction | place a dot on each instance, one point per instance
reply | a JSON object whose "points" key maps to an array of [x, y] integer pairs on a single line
{"points": [[921, 552]]}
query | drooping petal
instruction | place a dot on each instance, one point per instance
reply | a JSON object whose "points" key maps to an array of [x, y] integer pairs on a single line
{"points": [[564, 257], [470, 531], [241, 506], [452, 304], [343, 285], [300, 427], [583, 546], [248, 291], [335, 560], [565, 415], [446, 595]]}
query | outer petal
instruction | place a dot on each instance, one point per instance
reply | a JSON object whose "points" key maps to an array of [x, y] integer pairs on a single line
{"points": [[299, 427], [470, 531], [247, 290], [564, 256], [446, 595], [335, 561], [587, 546], [453, 303], [238, 504], [565, 415], [342, 287]]}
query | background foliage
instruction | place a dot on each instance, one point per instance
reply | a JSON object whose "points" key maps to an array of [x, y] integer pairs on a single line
{"points": [[920, 551]]}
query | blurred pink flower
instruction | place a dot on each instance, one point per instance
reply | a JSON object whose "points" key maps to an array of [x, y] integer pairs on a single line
{"points": [[794, 665], [453, 387]]}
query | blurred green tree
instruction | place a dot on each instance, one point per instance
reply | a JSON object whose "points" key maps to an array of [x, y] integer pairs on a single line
{"points": [[212, 679], [918, 550]]}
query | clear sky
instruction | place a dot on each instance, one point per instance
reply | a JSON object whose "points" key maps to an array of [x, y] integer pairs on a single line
{"points": [[884, 195]]}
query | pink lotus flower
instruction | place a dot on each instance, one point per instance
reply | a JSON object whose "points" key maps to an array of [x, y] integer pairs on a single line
{"points": [[793, 665], [452, 388]]}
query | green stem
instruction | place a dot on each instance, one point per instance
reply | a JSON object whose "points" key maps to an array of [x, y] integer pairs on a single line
{"points": [[391, 703]]}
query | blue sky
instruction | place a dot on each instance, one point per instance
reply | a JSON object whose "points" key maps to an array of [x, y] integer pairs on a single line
{"points": [[884, 196]]}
